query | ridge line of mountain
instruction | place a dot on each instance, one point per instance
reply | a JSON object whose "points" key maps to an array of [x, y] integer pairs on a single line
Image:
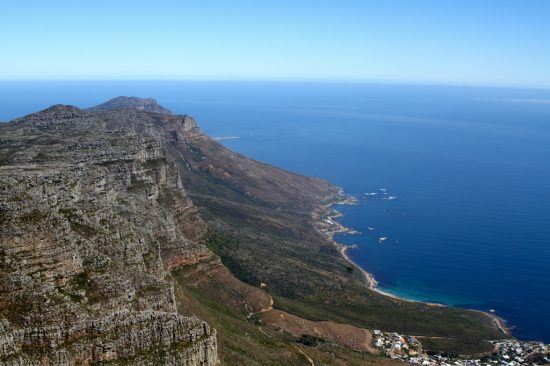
{"points": [[153, 182]]}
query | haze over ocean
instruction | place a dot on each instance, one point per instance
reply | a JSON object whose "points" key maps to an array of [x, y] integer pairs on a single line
{"points": [[469, 166]]}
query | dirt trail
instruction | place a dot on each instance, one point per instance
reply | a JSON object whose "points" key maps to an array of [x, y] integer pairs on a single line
{"points": [[343, 334], [310, 360], [264, 333]]}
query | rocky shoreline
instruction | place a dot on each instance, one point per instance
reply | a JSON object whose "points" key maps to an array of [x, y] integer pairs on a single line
{"points": [[325, 221]]}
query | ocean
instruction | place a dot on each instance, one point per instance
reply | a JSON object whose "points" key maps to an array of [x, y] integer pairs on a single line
{"points": [[467, 170]]}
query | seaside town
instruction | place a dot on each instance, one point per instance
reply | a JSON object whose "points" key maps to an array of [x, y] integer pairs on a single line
{"points": [[507, 352], [510, 352]]}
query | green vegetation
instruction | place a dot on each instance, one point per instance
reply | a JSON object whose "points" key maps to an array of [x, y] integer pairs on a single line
{"points": [[86, 231], [155, 163], [41, 157], [81, 281], [68, 213], [21, 197], [301, 289], [33, 217], [309, 340], [74, 297], [169, 197], [239, 342], [18, 308], [196, 151], [6, 157], [83, 229], [136, 185], [243, 341], [307, 277], [5, 217], [453, 347], [150, 356]]}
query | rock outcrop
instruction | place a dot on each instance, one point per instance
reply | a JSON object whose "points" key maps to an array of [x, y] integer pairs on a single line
{"points": [[93, 219]]}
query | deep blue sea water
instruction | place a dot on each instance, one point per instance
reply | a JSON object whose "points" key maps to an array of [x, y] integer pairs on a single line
{"points": [[470, 167]]}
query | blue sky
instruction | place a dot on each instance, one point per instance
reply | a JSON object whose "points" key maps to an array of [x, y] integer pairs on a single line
{"points": [[498, 42]]}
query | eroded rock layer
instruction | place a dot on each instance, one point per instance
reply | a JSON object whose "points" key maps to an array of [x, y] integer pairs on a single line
{"points": [[93, 219]]}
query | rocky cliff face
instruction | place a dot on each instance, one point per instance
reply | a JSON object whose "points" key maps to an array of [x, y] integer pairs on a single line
{"points": [[93, 219]]}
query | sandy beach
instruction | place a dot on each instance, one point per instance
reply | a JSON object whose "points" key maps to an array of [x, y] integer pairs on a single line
{"points": [[369, 278]]}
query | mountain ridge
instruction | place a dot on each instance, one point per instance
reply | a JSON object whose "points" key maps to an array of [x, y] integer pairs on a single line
{"points": [[206, 224], [140, 104]]}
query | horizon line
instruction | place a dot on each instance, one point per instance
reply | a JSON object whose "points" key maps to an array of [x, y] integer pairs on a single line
{"points": [[290, 81]]}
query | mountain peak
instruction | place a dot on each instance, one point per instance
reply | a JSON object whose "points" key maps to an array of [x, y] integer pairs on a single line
{"points": [[134, 103], [56, 113]]}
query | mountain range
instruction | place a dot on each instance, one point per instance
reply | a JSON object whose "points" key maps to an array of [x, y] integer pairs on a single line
{"points": [[128, 236]]}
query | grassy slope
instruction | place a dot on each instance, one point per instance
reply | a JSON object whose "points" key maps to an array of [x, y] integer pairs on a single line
{"points": [[267, 236], [318, 292], [243, 341]]}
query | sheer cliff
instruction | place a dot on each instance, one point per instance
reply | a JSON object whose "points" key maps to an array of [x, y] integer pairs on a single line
{"points": [[93, 219]]}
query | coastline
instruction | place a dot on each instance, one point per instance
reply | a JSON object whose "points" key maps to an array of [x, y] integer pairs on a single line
{"points": [[368, 278], [324, 218], [499, 322]]}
